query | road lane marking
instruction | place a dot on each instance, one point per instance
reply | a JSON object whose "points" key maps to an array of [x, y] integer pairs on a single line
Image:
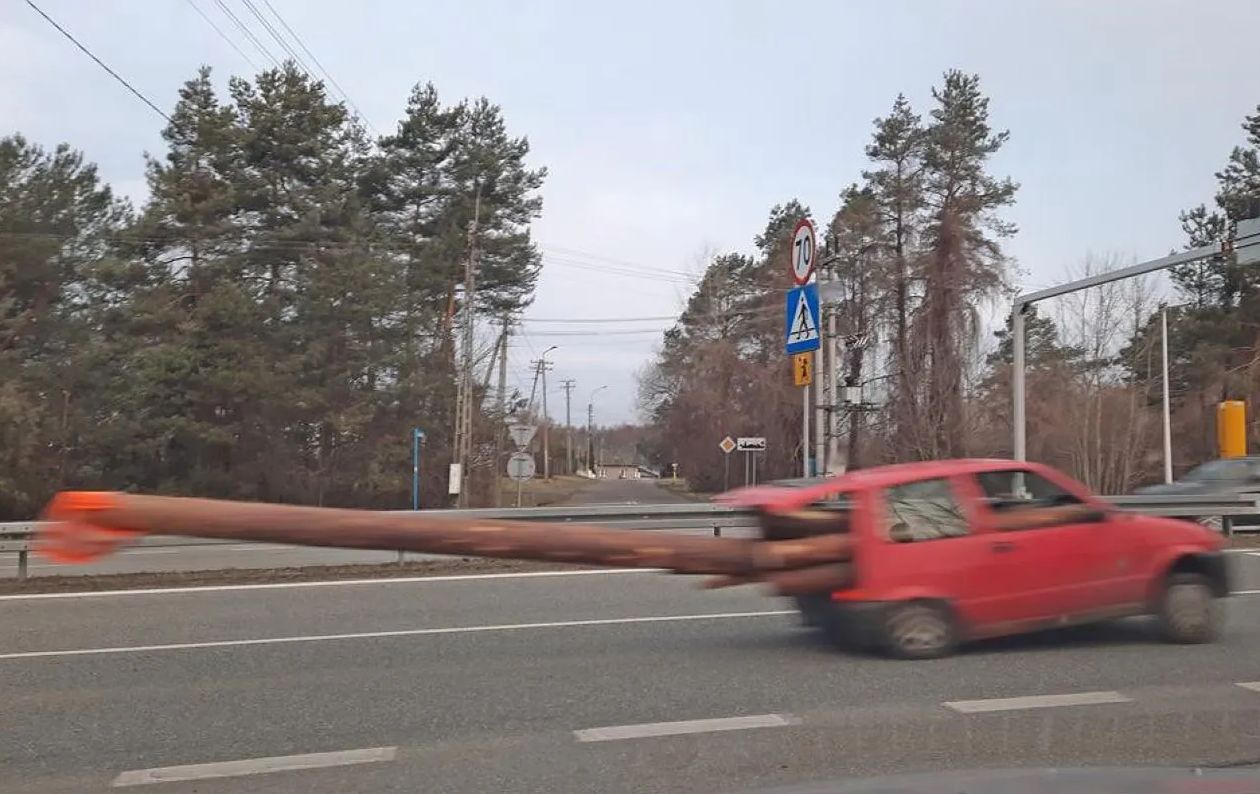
{"points": [[367, 635], [221, 588], [1254, 686], [254, 766], [1035, 702], [649, 729]]}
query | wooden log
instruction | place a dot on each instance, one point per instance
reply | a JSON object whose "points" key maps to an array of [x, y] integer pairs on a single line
{"points": [[86, 525], [804, 522], [1020, 518], [799, 581]]}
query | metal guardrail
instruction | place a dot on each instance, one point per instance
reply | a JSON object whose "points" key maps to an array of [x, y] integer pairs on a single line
{"points": [[17, 537]]}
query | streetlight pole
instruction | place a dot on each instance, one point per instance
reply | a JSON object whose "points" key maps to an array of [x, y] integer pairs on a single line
{"points": [[590, 430]]}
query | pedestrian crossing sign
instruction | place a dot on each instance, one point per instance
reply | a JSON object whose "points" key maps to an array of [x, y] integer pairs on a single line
{"points": [[802, 319]]}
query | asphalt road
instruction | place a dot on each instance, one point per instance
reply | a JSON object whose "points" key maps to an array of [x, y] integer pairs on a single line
{"points": [[220, 556], [573, 682]]}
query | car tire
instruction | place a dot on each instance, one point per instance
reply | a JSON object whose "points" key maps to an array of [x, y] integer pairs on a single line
{"points": [[1188, 610], [919, 630], [815, 609]]}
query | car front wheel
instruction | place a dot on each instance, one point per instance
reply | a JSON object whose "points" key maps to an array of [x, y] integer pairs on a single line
{"points": [[1188, 610], [919, 630]]}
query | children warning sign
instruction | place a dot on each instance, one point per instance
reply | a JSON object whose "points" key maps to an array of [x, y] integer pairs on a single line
{"points": [[802, 319]]}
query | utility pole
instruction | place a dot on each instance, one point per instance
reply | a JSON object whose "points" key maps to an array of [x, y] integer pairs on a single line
{"points": [[836, 463], [546, 420], [591, 458], [502, 412], [540, 373], [464, 399], [567, 384]]}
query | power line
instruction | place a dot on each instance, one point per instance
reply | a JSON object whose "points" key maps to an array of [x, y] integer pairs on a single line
{"points": [[598, 319], [99, 62], [223, 35], [621, 332], [320, 66], [249, 34], [284, 45]]}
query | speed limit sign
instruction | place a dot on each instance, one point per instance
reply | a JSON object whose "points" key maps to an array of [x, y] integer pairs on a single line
{"points": [[802, 251]]}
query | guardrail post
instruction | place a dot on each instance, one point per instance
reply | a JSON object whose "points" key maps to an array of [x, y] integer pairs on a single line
{"points": [[1227, 526], [401, 555], [22, 563], [717, 531]]}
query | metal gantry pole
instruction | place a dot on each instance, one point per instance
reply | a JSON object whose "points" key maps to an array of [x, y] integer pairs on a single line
{"points": [[1017, 382], [1163, 330]]}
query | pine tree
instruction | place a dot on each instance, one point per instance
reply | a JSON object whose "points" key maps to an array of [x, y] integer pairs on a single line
{"points": [[896, 186], [57, 221], [963, 262]]}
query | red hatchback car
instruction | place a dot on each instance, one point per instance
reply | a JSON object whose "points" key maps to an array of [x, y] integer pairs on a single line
{"points": [[948, 551]]}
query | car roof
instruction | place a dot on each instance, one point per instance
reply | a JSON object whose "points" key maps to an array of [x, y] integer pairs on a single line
{"points": [[876, 477]]}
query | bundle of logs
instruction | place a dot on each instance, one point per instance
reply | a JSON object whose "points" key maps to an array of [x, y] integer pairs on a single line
{"points": [[802, 551], [85, 525]]}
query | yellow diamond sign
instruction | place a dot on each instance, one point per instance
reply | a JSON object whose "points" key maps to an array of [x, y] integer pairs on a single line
{"points": [[727, 445]]}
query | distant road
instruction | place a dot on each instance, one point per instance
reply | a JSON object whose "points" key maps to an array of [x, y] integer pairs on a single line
{"points": [[268, 555]]}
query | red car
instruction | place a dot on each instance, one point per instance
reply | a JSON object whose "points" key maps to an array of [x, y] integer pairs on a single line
{"points": [[949, 551]]}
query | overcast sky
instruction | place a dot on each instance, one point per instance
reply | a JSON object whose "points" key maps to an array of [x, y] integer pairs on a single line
{"points": [[670, 128]]}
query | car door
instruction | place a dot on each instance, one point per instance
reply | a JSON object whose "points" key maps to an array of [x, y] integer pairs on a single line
{"points": [[922, 546], [1050, 550]]}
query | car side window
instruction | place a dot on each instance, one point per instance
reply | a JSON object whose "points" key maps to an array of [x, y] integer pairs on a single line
{"points": [[1015, 489], [923, 510]]}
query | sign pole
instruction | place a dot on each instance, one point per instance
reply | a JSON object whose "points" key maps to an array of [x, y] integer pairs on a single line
{"points": [[417, 438], [518, 492], [820, 424], [726, 472]]}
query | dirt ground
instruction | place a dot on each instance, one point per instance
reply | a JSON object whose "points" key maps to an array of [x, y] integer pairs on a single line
{"points": [[313, 573]]}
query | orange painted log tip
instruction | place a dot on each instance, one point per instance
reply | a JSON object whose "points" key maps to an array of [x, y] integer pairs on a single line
{"points": [[69, 535]]}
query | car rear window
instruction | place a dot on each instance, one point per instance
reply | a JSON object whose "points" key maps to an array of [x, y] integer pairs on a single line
{"points": [[923, 510]]}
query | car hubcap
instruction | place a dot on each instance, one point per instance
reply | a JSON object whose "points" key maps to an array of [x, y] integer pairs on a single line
{"points": [[920, 632], [1189, 608]]}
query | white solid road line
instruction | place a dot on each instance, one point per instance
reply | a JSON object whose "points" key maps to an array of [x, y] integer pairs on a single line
{"points": [[649, 729], [1035, 702], [1254, 686], [222, 588], [254, 766], [367, 635]]}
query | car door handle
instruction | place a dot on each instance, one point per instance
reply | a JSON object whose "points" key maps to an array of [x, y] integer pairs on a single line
{"points": [[1002, 546]]}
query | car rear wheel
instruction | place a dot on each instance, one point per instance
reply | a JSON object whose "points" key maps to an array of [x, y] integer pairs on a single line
{"points": [[1188, 611], [919, 630], [814, 609]]}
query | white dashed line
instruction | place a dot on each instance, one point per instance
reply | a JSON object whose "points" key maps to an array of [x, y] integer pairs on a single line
{"points": [[254, 766], [650, 729], [224, 588], [1035, 702], [369, 635]]}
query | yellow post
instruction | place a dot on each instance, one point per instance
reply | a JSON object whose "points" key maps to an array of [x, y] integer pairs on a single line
{"points": [[1231, 428]]}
